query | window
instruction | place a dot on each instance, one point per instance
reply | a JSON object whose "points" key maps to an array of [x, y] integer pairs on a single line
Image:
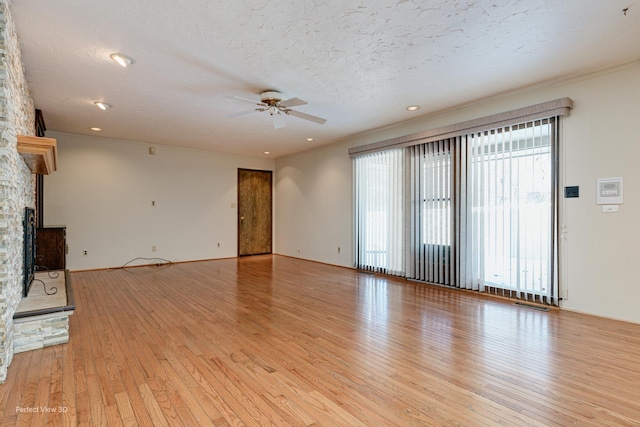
{"points": [[437, 199], [431, 212]]}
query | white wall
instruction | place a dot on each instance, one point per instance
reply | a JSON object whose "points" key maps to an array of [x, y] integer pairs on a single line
{"points": [[313, 206], [103, 189], [600, 139]]}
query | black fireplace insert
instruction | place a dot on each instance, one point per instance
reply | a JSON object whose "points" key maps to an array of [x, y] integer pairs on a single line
{"points": [[29, 248]]}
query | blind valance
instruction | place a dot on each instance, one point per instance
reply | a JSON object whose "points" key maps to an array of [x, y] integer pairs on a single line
{"points": [[558, 107]]}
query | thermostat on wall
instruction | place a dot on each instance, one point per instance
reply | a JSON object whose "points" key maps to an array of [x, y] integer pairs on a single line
{"points": [[609, 191]]}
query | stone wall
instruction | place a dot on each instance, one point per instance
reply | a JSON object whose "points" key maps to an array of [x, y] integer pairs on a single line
{"points": [[16, 182], [40, 331]]}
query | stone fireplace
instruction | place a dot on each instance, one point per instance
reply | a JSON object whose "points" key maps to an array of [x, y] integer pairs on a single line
{"points": [[42, 317], [21, 157], [17, 184]]}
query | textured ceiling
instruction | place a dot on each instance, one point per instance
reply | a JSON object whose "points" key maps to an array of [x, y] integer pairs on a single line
{"points": [[357, 63]]}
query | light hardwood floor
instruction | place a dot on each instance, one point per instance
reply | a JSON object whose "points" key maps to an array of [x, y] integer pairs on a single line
{"points": [[279, 341]]}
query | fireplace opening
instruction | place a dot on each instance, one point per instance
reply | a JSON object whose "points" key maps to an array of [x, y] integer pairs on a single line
{"points": [[29, 225]]}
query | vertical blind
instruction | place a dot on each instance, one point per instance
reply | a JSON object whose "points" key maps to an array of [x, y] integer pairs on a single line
{"points": [[379, 212], [481, 211], [431, 212], [508, 221]]}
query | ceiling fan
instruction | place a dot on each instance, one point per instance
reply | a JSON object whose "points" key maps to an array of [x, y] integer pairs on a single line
{"points": [[272, 102]]}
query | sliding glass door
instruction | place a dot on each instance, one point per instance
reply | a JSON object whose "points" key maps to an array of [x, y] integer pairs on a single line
{"points": [[510, 218], [480, 211]]}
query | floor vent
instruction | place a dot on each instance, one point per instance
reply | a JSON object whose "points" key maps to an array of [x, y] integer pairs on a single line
{"points": [[535, 307]]}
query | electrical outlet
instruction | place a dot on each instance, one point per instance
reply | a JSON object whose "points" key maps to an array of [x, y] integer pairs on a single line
{"points": [[218, 244], [85, 253], [298, 250], [153, 203], [153, 248], [338, 249]]}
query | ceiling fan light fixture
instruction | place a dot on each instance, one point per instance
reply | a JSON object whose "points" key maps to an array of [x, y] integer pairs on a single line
{"points": [[102, 105], [121, 59], [273, 110]]}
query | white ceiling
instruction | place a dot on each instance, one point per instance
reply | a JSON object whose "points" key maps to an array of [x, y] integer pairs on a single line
{"points": [[358, 63]]}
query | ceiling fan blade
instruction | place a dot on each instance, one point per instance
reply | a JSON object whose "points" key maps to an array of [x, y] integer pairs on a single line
{"points": [[253, 101], [305, 116], [241, 113], [293, 102], [278, 121]]}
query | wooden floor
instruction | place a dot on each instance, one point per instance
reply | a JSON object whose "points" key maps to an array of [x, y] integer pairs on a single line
{"points": [[278, 341]]}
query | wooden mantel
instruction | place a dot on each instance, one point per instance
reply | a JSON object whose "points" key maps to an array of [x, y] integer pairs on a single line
{"points": [[39, 153]]}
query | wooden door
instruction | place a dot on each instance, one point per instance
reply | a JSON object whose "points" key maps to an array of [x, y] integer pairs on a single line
{"points": [[254, 212]]}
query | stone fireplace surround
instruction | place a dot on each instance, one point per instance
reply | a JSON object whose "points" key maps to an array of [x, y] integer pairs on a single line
{"points": [[17, 184]]}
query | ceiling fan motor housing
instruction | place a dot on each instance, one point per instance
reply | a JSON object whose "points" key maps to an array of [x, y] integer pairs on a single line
{"points": [[271, 97]]}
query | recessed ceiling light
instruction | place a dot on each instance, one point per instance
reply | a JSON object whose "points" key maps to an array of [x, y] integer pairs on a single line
{"points": [[309, 139], [267, 152], [413, 107], [95, 129], [121, 59], [101, 105]]}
